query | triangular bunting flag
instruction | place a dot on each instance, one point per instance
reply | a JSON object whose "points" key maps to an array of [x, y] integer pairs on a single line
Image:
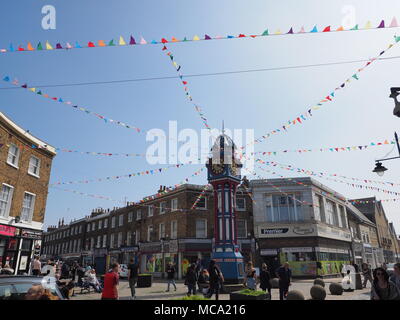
{"points": [[121, 41], [90, 44], [207, 37], [164, 40], [394, 23], [265, 33], [77, 45], [132, 41], [290, 31], [382, 24], [48, 46], [314, 29], [355, 27], [368, 25], [111, 43], [173, 39], [30, 48], [340, 28], [355, 76], [302, 30], [39, 46], [327, 29], [6, 78], [196, 38], [142, 41], [278, 32], [101, 43]]}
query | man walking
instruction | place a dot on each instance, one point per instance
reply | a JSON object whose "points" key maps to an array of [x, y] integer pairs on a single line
{"points": [[285, 275], [366, 270], [170, 275], [133, 270], [111, 281], [36, 266]]}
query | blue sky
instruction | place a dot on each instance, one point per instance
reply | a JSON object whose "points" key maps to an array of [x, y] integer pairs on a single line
{"points": [[262, 101]]}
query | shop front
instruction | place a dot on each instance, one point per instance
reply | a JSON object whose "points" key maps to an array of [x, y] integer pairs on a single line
{"points": [[369, 256], [128, 253]]}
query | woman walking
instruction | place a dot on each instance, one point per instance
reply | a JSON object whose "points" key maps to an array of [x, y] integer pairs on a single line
{"points": [[251, 277], [382, 287], [265, 278], [216, 279], [191, 279]]}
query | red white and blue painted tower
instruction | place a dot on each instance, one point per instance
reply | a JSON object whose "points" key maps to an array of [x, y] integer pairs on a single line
{"points": [[224, 175]]}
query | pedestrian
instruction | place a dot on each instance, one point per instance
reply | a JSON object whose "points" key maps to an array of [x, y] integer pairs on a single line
{"points": [[133, 271], [204, 281], [191, 279], [36, 266], [395, 277], [65, 271], [384, 266], [265, 278], [111, 281], [93, 282], [382, 287], [198, 271], [367, 273], [284, 274], [251, 277], [7, 269], [170, 275], [216, 279]]}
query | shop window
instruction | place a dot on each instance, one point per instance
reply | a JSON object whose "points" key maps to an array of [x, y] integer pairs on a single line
{"points": [[28, 206], [5, 200], [13, 155], [300, 256], [241, 228], [34, 166], [240, 204]]}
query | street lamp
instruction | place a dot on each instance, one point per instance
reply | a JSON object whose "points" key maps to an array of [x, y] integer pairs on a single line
{"points": [[379, 168]]}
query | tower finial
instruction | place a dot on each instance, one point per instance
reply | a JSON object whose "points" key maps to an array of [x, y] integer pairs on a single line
{"points": [[223, 127]]}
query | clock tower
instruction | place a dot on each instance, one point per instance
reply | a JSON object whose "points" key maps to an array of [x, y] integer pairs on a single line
{"points": [[223, 170]]}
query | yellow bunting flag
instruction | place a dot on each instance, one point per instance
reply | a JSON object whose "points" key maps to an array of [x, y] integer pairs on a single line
{"points": [[30, 48], [48, 46], [121, 41], [368, 25], [32, 89], [278, 32], [195, 38]]}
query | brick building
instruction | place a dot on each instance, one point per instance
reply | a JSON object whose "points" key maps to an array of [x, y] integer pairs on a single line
{"points": [[162, 228], [25, 166]]}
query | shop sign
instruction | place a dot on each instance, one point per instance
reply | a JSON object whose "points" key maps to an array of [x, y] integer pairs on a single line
{"points": [[268, 252], [303, 230], [31, 234], [297, 249], [130, 249], [274, 231], [7, 230], [173, 246], [332, 233]]}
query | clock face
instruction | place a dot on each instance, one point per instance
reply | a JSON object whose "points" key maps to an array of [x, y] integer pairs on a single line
{"points": [[217, 168]]}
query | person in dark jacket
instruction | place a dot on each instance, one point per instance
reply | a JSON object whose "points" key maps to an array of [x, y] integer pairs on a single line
{"points": [[65, 270], [265, 278], [191, 279], [170, 275], [285, 276], [216, 279]]}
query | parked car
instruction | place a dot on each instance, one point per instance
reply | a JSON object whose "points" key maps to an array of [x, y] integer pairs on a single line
{"points": [[123, 271], [17, 287]]}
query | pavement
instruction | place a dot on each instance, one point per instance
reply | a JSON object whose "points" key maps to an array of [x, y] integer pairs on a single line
{"points": [[157, 291]]}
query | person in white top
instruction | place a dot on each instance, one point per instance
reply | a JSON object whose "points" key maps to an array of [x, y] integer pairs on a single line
{"points": [[92, 280], [36, 266]]}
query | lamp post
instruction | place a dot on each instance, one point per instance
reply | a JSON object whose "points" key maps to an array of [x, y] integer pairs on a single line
{"points": [[379, 168]]}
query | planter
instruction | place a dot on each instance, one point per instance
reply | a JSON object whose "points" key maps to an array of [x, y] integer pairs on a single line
{"points": [[144, 281], [245, 295]]}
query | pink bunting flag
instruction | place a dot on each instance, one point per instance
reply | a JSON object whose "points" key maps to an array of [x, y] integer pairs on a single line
{"points": [[394, 23]]}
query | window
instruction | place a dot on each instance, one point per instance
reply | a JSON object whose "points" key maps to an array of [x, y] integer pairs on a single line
{"points": [[105, 223], [113, 222], [98, 245], [320, 209], [34, 166], [331, 213], [13, 155], [174, 204], [93, 226], [80, 229], [162, 231], [137, 237], [130, 216], [139, 214], [283, 208], [100, 224], [121, 220], [174, 229], [202, 203], [240, 204], [241, 228], [343, 217], [129, 238], [119, 239], [104, 240], [88, 227], [5, 200], [151, 210], [163, 206], [149, 233], [28, 206], [112, 240], [201, 228]]}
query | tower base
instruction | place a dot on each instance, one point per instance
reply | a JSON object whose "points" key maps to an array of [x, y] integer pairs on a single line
{"points": [[231, 265]]}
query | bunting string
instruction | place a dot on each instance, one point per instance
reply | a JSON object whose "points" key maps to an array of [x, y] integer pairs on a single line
{"points": [[47, 46], [201, 195], [329, 98], [184, 83], [69, 103]]}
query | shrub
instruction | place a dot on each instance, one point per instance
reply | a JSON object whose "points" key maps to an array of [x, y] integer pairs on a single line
{"points": [[336, 289], [317, 292], [249, 292], [295, 295], [195, 297]]}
